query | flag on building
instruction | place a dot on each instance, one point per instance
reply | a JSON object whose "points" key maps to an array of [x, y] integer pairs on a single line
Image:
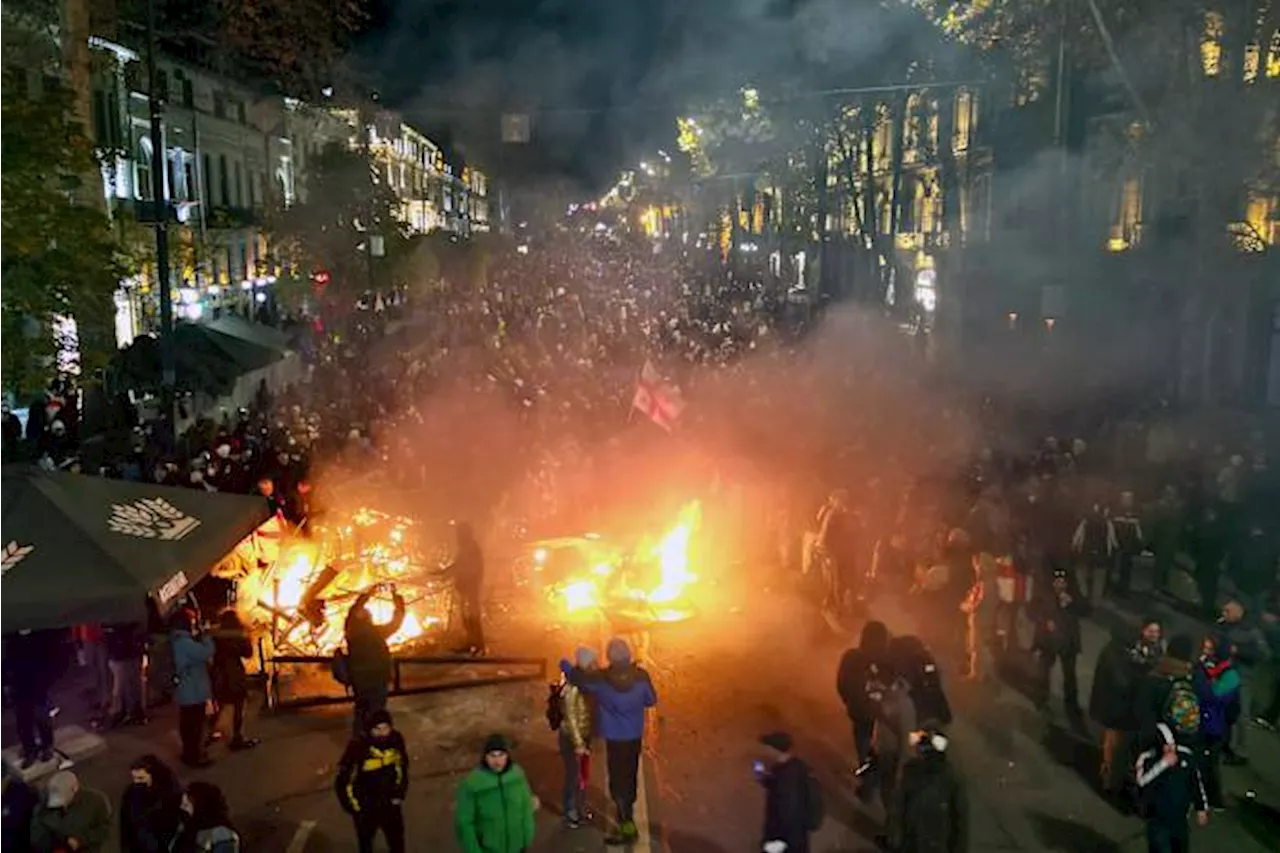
{"points": [[657, 399]]}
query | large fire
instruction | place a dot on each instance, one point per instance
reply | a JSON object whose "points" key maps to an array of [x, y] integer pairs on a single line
{"points": [[648, 584], [305, 593]]}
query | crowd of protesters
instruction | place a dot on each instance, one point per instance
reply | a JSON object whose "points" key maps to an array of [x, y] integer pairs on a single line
{"points": [[552, 339]]}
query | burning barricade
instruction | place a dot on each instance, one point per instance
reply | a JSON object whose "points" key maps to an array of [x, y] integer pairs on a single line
{"points": [[586, 577], [301, 598]]}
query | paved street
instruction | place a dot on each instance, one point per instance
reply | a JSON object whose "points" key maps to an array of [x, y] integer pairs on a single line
{"points": [[758, 662]]}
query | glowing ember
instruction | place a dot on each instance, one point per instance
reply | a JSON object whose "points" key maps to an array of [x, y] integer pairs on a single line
{"points": [[304, 595], [650, 584]]}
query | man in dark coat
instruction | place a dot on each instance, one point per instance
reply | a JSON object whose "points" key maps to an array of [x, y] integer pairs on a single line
{"points": [[1057, 616], [369, 657], [932, 800], [1122, 665], [786, 806], [467, 571], [150, 808]]}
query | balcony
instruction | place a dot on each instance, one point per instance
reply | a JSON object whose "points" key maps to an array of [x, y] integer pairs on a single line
{"points": [[233, 218]]}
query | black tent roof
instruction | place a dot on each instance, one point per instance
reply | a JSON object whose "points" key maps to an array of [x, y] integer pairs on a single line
{"points": [[204, 358], [80, 549]]}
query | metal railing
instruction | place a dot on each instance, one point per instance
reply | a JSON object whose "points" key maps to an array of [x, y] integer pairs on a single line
{"points": [[400, 685]]}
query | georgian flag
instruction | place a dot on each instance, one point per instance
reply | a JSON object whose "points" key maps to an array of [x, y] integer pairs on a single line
{"points": [[658, 400]]}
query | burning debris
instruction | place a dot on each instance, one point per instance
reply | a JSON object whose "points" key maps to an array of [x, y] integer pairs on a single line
{"points": [[303, 596], [586, 577]]}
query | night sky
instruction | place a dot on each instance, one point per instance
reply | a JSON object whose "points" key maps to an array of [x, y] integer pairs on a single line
{"points": [[604, 79]]}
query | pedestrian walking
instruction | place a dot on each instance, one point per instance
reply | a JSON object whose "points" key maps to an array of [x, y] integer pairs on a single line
{"points": [[151, 815], [1217, 686], [126, 645], [368, 657], [576, 728], [493, 812], [793, 807], [623, 692], [1058, 642], [372, 780], [897, 716], [861, 683], [192, 652], [932, 798], [1170, 787]]}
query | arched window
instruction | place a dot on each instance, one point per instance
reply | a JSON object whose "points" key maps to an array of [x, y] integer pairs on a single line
{"points": [[142, 169]]}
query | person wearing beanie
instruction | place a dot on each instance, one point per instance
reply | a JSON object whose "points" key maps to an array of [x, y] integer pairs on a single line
{"points": [[372, 780], [493, 811], [623, 692], [576, 729], [789, 810]]}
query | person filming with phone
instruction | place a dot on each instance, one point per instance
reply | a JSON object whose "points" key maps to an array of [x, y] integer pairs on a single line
{"points": [[368, 657]]}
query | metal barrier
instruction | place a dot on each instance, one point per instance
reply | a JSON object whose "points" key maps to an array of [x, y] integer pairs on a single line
{"points": [[400, 686]]}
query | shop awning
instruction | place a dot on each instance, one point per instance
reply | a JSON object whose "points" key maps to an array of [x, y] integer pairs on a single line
{"points": [[81, 549]]}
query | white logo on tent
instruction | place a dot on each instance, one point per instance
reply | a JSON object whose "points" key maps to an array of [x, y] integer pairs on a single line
{"points": [[151, 518], [14, 554]]}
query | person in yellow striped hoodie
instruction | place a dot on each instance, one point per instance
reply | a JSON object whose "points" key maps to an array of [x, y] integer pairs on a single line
{"points": [[373, 777]]}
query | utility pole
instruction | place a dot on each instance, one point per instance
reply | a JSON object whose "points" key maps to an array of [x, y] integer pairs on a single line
{"points": [[161, 213]]}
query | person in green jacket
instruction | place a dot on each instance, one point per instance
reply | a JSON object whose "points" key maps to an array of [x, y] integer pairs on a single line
{"points": [[494, 808]]}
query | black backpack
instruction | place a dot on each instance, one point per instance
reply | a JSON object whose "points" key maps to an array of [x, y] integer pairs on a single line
{"points": [[555, 705], [917, 666], [815, 810]]}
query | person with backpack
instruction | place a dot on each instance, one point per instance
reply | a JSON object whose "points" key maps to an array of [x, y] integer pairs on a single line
{"points": [[1122, 665], [1217, 684], [897, 717], [933, 802], [1168, 695], [372, 780], [860, 681], [1169, 786], [793, 807], [569, 713]]}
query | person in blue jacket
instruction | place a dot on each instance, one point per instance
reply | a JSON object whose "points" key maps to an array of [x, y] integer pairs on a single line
{"points": [[623, 692], [192, 689]]}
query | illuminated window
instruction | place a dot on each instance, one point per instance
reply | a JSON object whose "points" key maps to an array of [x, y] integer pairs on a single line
{"points": [[1260, 214], [964, 115], [1211, 44], [1273, 55], [1251, 54], [1126, 229], [883, 137], [911, 123]]}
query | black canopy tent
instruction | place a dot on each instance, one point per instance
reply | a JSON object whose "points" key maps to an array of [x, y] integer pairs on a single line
{"points": [[80, 549]]}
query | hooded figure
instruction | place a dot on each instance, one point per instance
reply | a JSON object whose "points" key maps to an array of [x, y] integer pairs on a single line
{"points": [[861, 682], [931, 799], [623, 693], [493, 812], [372, 779]]}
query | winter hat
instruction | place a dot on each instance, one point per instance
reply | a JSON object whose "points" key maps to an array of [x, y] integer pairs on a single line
{"points": [[618, 652], [496, 743], [780, 741], [377, 718], [584, 657], [1181, 647]]}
